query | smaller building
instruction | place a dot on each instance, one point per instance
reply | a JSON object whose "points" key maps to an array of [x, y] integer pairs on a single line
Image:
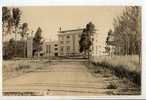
{"points": [[50, 49], [30, 47]]}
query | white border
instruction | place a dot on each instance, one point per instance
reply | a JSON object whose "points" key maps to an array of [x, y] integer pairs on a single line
{"points": [[87, 3], [70, 2]]}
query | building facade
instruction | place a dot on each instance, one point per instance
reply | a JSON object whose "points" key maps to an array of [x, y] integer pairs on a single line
{"points": [[69, 42], [50, 49], [29, 47]]}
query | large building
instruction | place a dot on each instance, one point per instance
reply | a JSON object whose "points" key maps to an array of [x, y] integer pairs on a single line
{"points": [[50, 49], [30, 47], [69, 42]]}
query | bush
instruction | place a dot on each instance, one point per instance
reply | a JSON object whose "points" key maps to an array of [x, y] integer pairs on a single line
{"points": [[112, 86]]}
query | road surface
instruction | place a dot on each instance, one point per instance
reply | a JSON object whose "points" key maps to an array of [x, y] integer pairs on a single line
{"points": [[63, 78]]}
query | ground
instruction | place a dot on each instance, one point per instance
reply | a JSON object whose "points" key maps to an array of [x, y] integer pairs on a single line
{"points": [[66, 78]]}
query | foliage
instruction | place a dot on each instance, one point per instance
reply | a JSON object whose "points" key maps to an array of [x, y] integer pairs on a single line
{"points": [[86, 41], [23, 33], [24, 30], [10, 18], [121, 66], [109, 41], [9, 49], [127, 31], [16, 16], [37, 40], [7, 19]]}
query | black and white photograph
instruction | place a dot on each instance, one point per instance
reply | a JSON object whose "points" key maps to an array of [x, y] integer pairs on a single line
{"points": [[71, 50]]}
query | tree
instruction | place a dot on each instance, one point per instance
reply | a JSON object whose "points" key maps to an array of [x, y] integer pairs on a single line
{"points": [[37, 41], [7, 20], [127, 31], [86, 39], [24, 30], [16, 16], [109, 42], [16, 20], [10, 49], [84, 43], [24, 34]]}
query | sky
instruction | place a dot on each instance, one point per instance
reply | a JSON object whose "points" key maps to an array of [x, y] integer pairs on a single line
{"points": [[50, 18]]}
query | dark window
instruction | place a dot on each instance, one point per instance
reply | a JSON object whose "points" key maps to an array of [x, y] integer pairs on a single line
{"points": [[55, 45], [41, 54], [68, 36], [56, 54], [56, 48]]}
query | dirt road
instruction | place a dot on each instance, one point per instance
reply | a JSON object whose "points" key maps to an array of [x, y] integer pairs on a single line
{"points": [[70, 78]]}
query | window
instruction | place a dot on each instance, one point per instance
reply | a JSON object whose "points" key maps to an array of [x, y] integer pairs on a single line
{"points": [[68, 48], [61, 42], [67, 36], [56, 49], [61, 49], [55, 45], [56, 54]]}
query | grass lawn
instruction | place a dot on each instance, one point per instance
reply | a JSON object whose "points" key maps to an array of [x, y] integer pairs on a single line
{"points": [[122, 66], [13, 68]]}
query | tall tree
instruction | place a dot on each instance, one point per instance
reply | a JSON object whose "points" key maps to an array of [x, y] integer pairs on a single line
{"points": [[84, 43], [37, 41], [109, 42], [127, 31], [24, 29], [7, 23], [23, 33], [16, 20], [87, 39], [7, 20]]}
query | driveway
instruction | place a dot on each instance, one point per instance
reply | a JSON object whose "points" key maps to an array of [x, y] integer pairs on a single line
{"points": [[62, 78]]}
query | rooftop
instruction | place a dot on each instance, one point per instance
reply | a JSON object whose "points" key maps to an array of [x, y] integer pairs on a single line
{"points": [[65, 31]]}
